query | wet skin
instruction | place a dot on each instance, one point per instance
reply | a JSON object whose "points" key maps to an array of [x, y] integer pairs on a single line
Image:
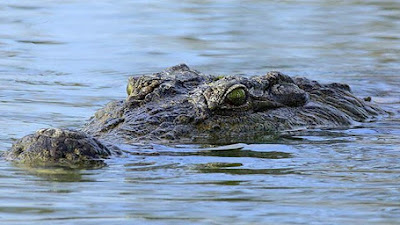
{"points": [[181, 105]]}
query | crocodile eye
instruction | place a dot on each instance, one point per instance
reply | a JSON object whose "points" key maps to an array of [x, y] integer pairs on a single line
{"points": [[129, 89], [237, 96]]}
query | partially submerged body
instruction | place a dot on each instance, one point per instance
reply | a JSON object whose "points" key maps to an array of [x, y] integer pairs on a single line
{"points": [[184, 106]]}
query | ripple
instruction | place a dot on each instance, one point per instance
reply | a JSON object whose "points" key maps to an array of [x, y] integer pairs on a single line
{"points": [[244, 171], [41, 42]]}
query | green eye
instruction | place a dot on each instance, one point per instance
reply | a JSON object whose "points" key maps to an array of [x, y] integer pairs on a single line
{"points": [[237, 96], [129, 89]]}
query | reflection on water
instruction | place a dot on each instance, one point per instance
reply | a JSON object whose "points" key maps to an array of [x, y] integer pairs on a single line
{"points": [[58, 174], [60, 61]]}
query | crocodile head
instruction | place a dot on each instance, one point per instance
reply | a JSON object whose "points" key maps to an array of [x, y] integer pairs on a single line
{"points": [[183, 105]]}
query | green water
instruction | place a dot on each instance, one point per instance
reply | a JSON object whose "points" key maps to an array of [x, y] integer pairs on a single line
{"points": [[62, 60]]}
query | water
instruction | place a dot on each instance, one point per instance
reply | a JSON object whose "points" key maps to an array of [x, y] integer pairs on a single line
{"points": [[62, 60]]}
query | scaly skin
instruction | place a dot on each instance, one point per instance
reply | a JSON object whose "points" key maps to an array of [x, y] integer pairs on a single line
{"points": [[184, 106], [59, 147]]}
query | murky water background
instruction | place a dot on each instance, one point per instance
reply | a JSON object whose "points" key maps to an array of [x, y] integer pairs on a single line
{"points": [[62, 60]]}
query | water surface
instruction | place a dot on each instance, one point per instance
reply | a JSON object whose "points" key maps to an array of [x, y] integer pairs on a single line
{"points": [[62, 60]]}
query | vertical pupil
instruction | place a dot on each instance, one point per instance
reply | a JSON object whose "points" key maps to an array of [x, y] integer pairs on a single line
{"points": [[237, 96]]}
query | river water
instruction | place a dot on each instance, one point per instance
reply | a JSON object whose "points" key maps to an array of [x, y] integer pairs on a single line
{"points": [[62, 60]]}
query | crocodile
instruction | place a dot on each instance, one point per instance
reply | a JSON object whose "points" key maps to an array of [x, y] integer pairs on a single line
{"points": [[181, 105]]}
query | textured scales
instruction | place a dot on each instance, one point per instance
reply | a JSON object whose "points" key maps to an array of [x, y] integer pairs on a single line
{"points": [[181, 105]]}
